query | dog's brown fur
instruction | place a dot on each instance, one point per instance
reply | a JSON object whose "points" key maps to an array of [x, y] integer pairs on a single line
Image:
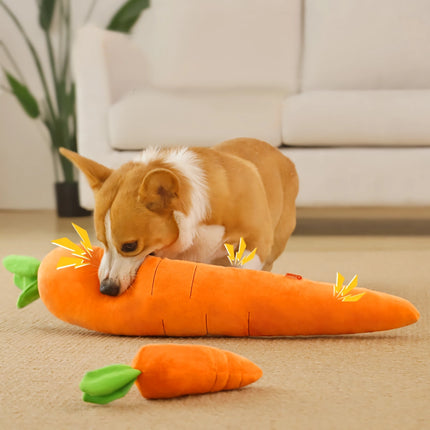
{"points": [[251, 191]]}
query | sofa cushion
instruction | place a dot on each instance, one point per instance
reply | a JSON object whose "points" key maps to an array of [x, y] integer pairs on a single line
{"points": [[225, 43], [362, 176], [397, 117], [203, 118], [366, 44]]}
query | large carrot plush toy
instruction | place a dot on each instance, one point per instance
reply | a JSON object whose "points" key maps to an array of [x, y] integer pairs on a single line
{"points": [[169, 370], [180, 298]]}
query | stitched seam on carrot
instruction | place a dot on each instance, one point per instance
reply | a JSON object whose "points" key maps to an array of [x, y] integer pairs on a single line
{"points": [[153, 279], [164, 328], [241, 379], [206, 321], [192, 280], [249, 329], [215, 369], [214, 384], [226, 384]]}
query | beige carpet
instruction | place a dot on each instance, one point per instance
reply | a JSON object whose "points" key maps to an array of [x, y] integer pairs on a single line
{"points": [[374, 381]]}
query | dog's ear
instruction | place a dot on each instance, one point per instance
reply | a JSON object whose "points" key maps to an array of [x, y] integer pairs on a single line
{"points": [[95, 173], [159, 190]]}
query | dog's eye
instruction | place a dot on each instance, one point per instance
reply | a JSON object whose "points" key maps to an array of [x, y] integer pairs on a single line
{"points": [[129, 246]]}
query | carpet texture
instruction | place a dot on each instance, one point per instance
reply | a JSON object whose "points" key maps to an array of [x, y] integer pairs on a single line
{"points": [[372, 381]]}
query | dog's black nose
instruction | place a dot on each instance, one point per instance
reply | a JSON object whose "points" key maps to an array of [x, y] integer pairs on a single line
{"points": [[109, 287]]}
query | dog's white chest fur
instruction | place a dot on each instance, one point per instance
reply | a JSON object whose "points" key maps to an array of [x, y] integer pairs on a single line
{"points": [[204, 243]]}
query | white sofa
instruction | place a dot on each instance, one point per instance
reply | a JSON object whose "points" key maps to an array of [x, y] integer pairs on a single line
{"points": [[343, 85]]}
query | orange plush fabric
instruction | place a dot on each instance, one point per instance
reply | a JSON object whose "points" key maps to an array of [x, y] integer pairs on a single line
{"points": [[177, 370], [180, 298]]}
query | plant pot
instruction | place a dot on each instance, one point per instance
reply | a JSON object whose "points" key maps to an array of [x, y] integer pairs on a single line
{"points": [[67, 198]]}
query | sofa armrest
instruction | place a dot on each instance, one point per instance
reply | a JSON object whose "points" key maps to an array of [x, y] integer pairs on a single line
{"points": [[101, 80]]}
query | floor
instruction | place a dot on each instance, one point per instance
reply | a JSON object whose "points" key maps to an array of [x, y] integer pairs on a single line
{"points": [[373, 381]]}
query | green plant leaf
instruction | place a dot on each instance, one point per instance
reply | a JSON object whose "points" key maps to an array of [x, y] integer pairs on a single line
{"points": [[35, 56], [103, 400], [29, 295], [125, 18], [24, 96], [108, 380], [22, 265], [22, 282], [46, 12], [70, 100]]}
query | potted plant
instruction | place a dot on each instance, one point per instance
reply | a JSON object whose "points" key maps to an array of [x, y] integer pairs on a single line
{"points": [[57, 110]]}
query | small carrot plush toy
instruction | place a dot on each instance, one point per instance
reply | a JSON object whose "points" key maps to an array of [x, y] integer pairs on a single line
{"points": [[168, 370], [181, 298]]}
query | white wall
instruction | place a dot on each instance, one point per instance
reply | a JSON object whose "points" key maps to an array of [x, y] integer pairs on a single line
{"points": [[26, 168]]}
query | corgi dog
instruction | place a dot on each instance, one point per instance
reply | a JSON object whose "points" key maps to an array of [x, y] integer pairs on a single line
{"points": [[185, 203]]}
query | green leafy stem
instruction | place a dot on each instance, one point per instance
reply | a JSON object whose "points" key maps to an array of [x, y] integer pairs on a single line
{"points": [[25, 277], [109, 383]]}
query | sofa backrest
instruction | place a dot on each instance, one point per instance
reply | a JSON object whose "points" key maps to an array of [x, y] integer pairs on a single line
{"points": [[224, 43], [366, 44]]}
